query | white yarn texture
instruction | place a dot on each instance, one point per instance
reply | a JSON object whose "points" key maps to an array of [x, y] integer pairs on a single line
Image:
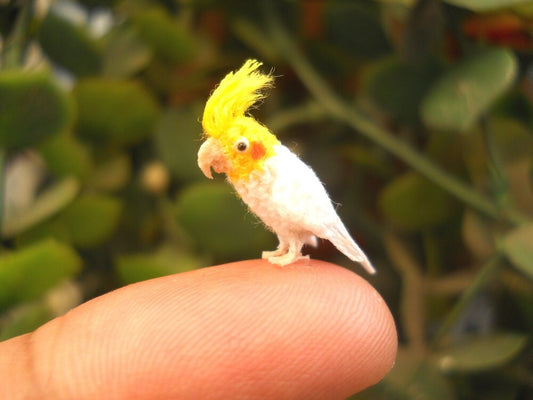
{"points": [[290, 199]]}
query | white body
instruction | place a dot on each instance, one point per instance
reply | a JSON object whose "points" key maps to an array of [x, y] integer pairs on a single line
{"points": [[290, 199]]}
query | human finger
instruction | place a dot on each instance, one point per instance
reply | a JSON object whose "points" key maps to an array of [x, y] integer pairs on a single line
{"points": [[242, 330]]}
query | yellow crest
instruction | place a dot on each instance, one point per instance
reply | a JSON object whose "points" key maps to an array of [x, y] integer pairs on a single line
{"points": [[235, 94]]}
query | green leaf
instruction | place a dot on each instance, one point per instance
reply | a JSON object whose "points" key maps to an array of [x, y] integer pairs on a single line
{"points": [[87, 222], [91, 219], [28, 316], [481, 353], [486, 5], [50, 229], [398, 88], [468, 90], [27, 273], [46, 205], [119, 112], [66, 156], [69, 45], [111, 173], [164, 35], [125, 54], [512, 139], [365, 160], [24, 319], [518, 246], [220, 223], [177, 141], [412, 202], [355, 28], [523, 8], [513, 143], [520, 175], [248, 31], [414, 378], [33, 108], [165, 261]]}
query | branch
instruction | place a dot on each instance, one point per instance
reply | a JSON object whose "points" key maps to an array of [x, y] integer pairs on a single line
{"points": [[335, 106]]}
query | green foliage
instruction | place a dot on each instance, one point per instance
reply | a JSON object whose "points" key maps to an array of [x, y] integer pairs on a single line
{"points": [[25, 318], [518, 245], [417, 115], [475, 354], [69, 44], [125, 53], [486, 5], [133, 268], [111, 174], [28, 272], [208, 210], [413, 379], [468, 90], [399, 87], [413, 203], [66, 156], [88, 221], [119, 112], [178, 129], [44, 206], [353, 27], [33, 108], [164, 35]]}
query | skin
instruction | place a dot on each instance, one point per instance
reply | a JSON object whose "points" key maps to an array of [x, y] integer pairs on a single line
{"points": [[246, 330]]}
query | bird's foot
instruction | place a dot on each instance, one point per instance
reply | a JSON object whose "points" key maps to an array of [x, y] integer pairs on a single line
{"points": [[287, 258], [280, 251], [267, 255]]}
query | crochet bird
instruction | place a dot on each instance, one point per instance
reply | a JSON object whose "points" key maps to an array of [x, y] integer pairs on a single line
{"points": [[275, 184]]}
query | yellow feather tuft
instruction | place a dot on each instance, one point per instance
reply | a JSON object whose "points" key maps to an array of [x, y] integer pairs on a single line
{"points": [[235, 94]]}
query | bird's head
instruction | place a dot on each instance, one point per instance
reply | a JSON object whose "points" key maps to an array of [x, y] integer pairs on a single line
{"points": [[236, 144]]}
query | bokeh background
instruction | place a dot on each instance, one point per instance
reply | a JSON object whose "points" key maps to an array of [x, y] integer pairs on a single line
{"points": [[417, 116]]}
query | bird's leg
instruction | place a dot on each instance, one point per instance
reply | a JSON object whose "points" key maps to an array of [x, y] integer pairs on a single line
{"points": [[292, 254], [283, 247]]}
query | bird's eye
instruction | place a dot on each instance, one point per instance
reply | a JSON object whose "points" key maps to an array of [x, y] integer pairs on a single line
{"points": [[242, 145]]}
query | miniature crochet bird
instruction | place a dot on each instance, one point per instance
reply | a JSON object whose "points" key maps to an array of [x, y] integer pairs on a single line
{"points": [[275, 184]]}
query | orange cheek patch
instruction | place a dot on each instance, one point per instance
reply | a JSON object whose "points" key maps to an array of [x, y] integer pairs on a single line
{"points": [[257, 150]]}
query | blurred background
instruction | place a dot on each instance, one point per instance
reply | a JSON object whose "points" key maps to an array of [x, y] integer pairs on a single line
{"points": [[417, 116]]}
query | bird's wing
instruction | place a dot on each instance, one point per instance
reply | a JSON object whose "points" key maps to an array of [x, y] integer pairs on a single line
{"points": [[297, 191], [305, 203]]}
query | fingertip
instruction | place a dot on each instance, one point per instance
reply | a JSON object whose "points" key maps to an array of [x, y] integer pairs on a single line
{"points": [[361, 325], [309, 319], [334, 311], [308, 330]]}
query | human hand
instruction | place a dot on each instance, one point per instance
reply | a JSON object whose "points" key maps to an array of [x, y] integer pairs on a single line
{"points": [[234, 331]]}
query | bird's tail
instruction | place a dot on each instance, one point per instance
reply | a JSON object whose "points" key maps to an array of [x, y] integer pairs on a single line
{"points": [[342, 240]]}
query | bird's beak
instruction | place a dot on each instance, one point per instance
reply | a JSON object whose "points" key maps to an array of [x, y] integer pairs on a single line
{"points": [[211, 155]]}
